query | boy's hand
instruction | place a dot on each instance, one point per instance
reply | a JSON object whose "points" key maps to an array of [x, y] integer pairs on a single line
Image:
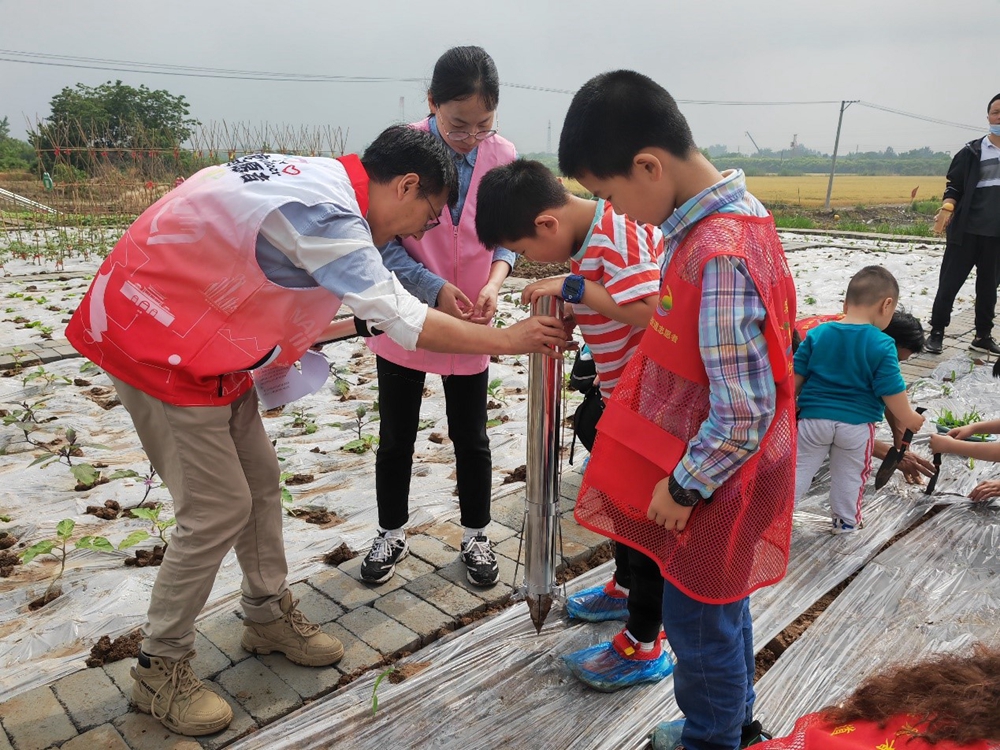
{"points": [[962, 433], [985, 490], [914, 421], [944, 444], [486, 305], [452, 300], [664, 511], [550, 287]]}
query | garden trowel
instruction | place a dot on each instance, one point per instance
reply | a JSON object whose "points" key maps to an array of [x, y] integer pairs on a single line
{"points": [[893, 457]]}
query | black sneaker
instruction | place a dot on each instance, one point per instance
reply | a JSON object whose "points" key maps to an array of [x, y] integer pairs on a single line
{"points": [[985, 344], [380, 562], [477, 554], [935, 342], [753, 733]]}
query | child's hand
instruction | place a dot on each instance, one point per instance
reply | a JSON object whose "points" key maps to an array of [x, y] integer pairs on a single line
{"points": [[985, 490], [962, 433], [664, 511], [914, 421], [944, 444], [452, 300], [550, 287], [486, 305]]}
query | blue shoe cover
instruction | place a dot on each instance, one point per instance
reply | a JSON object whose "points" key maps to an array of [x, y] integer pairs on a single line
{"points": [[595, 605], [603, 668], [667, 736]]}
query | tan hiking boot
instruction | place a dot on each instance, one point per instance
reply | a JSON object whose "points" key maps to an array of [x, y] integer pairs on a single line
{"points": [[169, 690], [293, 635]]}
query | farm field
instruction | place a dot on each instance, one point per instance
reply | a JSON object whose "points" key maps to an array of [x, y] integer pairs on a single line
{"points": [[809, 190]]}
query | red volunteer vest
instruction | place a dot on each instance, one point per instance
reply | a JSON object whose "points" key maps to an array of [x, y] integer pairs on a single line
{"points": [[180, 309], [804, 325], [739, 540], [812, 732]]}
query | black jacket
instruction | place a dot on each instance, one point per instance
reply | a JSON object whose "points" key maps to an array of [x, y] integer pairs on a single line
{"points": [[963, 176]]}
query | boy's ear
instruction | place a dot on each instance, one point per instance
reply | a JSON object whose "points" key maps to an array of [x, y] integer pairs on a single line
{"points": [[546, 225], [648, 166]]}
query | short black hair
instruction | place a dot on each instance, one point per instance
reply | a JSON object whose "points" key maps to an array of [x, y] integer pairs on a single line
{"points": [[511, 197], [870, 285], [462, 72], [612, 118], [906, 330], [991, 103], [400, 149]]}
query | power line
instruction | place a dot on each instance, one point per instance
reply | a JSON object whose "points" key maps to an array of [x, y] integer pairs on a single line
{"points": [[194, 71]]}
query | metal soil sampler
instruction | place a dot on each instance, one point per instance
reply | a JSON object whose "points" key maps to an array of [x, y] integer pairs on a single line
{"points": [[545, 378]]}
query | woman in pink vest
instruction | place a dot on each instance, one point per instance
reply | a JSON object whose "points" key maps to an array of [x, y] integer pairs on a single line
{"points": [[447, 268]]}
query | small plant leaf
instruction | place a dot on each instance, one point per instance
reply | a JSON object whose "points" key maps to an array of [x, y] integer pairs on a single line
{"points": [[85, 474], [378, 681], [98, 543], [148, 514], [65, 527], [123, 474], [40, 548], [70, 435], [136, 537]]}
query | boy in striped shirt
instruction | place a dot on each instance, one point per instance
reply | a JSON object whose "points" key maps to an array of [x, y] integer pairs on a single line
{"points": [[615, 277]]}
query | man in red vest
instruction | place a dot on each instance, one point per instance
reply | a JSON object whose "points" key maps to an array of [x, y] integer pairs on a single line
{"points": [[694, 459], [244, 265]]}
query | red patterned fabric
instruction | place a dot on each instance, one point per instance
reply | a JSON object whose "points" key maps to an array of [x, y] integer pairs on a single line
{"points": [[739, 541], [812, 732]]}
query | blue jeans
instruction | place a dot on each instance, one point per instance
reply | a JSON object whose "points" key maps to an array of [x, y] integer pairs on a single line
{"points": [[713, 678]]}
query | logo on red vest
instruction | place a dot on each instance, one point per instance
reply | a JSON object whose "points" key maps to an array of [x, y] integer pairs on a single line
{"points": [[666, 303]]}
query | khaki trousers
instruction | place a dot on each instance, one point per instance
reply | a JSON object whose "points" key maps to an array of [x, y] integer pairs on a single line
{"points": [[223, 476]]}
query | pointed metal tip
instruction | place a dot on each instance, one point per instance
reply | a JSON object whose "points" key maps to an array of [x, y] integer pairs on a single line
{"points": [[539, 608]]}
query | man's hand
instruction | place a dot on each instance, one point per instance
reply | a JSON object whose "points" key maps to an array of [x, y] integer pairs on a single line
{"points": [[550, 287], [664, 511], [486, 305], [539, 334], [452, 300], [914, 467], [985, 491]]}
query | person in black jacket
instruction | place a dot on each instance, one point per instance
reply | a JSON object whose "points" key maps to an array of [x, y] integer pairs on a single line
{"points": [[971, 215]]}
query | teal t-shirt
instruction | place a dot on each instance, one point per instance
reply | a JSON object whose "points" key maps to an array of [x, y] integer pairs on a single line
{"points": [[847, 369]]}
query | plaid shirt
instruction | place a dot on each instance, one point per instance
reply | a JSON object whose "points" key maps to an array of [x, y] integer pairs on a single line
{"points": [[731, 339]]}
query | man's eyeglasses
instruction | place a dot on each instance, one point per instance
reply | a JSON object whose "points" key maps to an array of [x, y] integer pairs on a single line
{"points": [[461, 135], [431, 223]]}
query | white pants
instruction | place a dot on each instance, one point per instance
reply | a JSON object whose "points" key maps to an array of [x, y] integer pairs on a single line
{"points": [[849, 447]]}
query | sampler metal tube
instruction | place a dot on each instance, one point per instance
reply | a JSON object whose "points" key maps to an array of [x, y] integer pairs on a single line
{"points": [[545, 377]]}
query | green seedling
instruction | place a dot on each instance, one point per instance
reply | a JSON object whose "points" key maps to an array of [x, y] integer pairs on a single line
{"points": [[378, 681]]}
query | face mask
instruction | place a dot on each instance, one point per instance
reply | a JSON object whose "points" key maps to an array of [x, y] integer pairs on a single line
{"points": [[994, 129]]}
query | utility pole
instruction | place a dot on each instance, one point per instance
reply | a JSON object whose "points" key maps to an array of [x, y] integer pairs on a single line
{"points": [[548, 139], [836, 144], [402, 108]]}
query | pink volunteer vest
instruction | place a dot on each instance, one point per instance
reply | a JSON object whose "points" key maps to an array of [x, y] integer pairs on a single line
{"points": [[180, 309], [455, 254]]}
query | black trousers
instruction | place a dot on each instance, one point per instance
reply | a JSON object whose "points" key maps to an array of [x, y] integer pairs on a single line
{"points": [[981, 253], [400, 391], [641, 576]]}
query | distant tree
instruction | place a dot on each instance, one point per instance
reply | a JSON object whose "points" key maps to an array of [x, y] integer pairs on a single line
{"points": [[717, 149], [109, 118], [14, 154]]}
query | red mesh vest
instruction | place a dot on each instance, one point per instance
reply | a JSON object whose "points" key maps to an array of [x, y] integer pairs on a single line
{"points": [[739, 541], [812, 732]]}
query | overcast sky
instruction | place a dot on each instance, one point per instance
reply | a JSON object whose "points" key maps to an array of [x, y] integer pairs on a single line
{"points": [[931, 57]]}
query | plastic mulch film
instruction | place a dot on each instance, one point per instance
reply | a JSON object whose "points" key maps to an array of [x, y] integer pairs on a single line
{"points": [[934, 590], [499, 684]]}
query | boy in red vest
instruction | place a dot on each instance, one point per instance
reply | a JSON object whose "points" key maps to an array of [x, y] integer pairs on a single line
{"points": [[613, 286], [694, 461]]}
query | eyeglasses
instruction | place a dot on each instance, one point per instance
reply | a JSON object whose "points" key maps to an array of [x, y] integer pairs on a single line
{"points": [[461, 135], [431, 223]]}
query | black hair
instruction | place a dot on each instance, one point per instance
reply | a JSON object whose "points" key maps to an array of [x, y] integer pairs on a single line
{"points": [[991, 103], [870, 285], [612, 118], [511, 197], [462, 72], [400, 149], [906, 330]]}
